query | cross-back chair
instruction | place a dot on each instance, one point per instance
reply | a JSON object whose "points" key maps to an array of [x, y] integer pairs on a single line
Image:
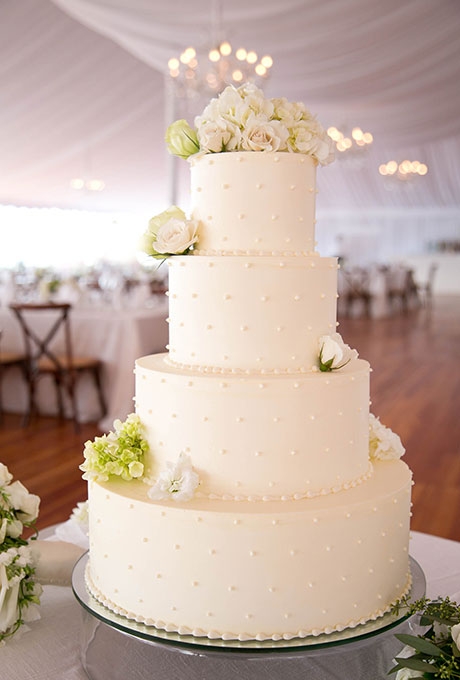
{"points": [[9, 360], [49, 352]]}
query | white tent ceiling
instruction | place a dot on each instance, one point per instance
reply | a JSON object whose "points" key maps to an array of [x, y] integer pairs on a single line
{"points": [[82, 92]]}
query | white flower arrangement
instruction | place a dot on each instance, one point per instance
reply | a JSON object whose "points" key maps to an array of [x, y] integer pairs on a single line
{"points": [[80, 515], [119, 453], [384, 444], [169, 233], [334, 354], [19, 593], [243, 119], [178, 481]]}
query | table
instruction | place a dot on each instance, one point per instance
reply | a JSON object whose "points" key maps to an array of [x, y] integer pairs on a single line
{"points": [[50, 650], [115, 336]]}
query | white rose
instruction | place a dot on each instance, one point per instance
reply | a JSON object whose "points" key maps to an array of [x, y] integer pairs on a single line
{"points": [[169, 233], [254, 99], [308, 137], [330, 350], [220, 107], [5, 476], [261, 135], [455, 632], [175, 237], [219, 135], [25, 503], [289, 112], [334, 353]]}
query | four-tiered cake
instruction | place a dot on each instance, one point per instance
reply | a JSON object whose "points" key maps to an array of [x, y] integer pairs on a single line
{"points": [[271, 504]]}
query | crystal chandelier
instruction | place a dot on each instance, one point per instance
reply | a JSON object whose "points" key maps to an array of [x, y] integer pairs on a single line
{"points": [[355, 143], [206, 72], [203, 71], [404, 171], [401, 174]]}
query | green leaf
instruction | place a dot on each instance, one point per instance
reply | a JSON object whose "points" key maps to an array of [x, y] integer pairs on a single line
{"points": [[395, 669], [420, 644], [416, 665]]}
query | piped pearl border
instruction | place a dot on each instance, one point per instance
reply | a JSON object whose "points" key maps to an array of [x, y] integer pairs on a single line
{"points": [[294, 496], [219, 370], [255, 253], [243, 636]]}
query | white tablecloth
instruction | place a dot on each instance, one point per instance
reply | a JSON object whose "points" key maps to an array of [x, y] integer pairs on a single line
{"points": [[115, 336], [50, 650]]}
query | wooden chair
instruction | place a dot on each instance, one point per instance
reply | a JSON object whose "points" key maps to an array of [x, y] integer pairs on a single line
{"points": [[9, 360], [354, 286], [425, 289], [64, 367]]}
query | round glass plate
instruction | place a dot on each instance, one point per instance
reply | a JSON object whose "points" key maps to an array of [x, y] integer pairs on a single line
{"points": [[154, 635]]}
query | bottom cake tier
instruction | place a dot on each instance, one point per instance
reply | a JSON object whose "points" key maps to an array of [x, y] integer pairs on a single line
{"points": [[252, 570]]}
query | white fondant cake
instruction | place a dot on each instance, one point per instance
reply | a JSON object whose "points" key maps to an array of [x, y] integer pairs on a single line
{"points": [[295, 528]]}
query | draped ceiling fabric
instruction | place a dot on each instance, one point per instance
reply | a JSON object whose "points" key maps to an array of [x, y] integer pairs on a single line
{"points": [[83, 94]]}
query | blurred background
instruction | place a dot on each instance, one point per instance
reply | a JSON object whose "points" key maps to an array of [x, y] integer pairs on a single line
{"points": [[88, 88]]}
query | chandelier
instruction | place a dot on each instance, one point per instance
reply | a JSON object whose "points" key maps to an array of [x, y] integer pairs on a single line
{"points": [[354, 143], [404, 171], [206, 72]]}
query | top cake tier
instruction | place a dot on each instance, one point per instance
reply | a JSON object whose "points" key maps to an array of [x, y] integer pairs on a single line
{"points": [[254, 203]]}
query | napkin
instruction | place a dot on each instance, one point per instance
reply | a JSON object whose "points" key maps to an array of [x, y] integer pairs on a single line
{"points": [[55, 561]]}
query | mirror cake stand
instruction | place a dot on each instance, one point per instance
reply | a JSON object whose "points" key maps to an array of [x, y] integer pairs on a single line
{"points": [[118, 648]]}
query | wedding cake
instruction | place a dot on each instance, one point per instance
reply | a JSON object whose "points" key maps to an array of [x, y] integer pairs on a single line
{"points": [[252, 495]]}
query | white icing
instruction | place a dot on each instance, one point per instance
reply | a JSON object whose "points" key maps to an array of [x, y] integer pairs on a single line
{"points": [[277, 535], [298, 412], [255, 311], [250, 184]]}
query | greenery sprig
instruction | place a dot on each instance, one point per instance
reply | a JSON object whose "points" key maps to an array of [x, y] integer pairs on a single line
{"points": [[435, 653]]}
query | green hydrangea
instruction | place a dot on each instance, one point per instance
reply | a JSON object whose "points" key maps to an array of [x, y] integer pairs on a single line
{"points": [[119, 453]]}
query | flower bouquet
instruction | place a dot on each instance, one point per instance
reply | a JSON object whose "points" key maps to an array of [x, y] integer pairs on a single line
{"points": [[19, 593]]}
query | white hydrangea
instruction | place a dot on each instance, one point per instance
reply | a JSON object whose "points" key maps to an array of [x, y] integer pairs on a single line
{"points": [[384, 444]]}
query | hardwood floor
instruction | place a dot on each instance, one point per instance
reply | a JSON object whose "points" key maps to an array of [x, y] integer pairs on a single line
{"points": [[415, 390]]}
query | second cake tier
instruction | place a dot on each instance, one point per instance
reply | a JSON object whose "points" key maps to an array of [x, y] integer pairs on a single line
{"points": [[258, 437], [250, 313]]}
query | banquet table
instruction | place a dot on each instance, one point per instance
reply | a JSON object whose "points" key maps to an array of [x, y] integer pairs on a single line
{"points": [[51, 648], [116, 336]]}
